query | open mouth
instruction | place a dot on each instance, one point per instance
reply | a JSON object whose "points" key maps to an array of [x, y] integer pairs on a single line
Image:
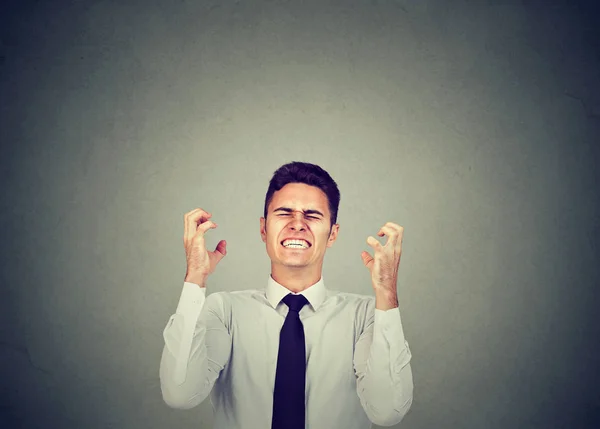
{"points": [[296, 247]]}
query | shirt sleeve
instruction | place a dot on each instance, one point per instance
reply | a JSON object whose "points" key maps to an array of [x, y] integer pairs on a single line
{"points": [[382, 365], [197, 347]]}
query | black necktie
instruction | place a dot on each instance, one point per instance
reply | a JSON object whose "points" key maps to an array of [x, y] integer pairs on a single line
{"points": [[290, 378]]}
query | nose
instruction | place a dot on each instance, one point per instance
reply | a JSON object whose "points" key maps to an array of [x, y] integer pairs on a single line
{"points": [[298, 222]]}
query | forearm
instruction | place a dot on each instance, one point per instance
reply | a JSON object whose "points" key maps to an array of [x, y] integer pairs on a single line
{"points": [[185, 375], [386, 386], [183, 368], [386, 397]]}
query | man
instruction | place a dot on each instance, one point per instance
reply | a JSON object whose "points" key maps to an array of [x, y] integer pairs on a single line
{"points": [[293, 355]]}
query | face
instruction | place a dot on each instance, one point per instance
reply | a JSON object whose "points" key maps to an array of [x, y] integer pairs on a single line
{"points": [[308, 218]]}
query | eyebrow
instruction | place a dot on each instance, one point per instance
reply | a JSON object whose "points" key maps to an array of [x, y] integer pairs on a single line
{"points": [[289, 210]]}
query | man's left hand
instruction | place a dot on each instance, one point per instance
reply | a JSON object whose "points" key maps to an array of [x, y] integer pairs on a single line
{"points": [[384, 267]]}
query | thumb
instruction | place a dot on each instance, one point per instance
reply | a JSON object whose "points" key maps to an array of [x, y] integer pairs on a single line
{"points": [[366, 259], [221, 248]]}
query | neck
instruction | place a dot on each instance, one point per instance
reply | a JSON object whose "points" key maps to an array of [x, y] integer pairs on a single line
{"points": [[296, 282]]}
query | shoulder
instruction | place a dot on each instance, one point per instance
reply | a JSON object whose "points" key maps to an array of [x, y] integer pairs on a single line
{"points": [[362, 306], [352, 299], [228, 299], [227, 305]]}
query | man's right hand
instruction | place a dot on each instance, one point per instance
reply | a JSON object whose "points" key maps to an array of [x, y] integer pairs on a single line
{"points": [[200, 262]]}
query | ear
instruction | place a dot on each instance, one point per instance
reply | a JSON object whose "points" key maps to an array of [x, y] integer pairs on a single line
{"points": [[263, 229], [333, 235]]}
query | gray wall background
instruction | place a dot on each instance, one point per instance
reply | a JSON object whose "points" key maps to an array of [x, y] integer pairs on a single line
{"points": [[475, 125]]}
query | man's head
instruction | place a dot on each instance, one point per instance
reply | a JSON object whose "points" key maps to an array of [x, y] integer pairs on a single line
{"points": [[302, 201]]}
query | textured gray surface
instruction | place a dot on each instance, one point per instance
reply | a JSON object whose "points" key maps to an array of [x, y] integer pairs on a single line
{"points": [[475, 125]]}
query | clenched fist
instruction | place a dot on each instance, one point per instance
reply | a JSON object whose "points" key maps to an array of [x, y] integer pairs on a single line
{"points": [[200, 262]]}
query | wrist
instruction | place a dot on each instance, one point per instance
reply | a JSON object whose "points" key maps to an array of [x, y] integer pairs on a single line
{"points": [[198, 279], [386, 300]]}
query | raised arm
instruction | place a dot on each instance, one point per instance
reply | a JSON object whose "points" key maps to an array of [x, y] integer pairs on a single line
{"points": [[197, 339]]}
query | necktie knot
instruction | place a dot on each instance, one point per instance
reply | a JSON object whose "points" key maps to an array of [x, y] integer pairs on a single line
{"points": [[295, 302]]}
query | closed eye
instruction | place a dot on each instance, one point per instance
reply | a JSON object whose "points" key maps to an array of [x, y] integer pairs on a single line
{"points": [[311, 217]]}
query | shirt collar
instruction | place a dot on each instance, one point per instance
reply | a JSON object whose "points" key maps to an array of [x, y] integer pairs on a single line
{"points": [[315, 294]]}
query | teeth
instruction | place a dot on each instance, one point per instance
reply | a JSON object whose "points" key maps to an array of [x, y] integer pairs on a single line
{"points": [[296, 244]]}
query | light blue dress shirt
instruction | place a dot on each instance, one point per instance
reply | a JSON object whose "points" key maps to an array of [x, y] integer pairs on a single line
{"points": [[225, 345]]}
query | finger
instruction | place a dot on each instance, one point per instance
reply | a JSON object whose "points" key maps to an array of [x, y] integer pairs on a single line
{"points": [[394, 226], [398, 228], [221, 247], [374, 243], [202, 228], [400, 237], [191, 220], [366, 257], [390, 232]]}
